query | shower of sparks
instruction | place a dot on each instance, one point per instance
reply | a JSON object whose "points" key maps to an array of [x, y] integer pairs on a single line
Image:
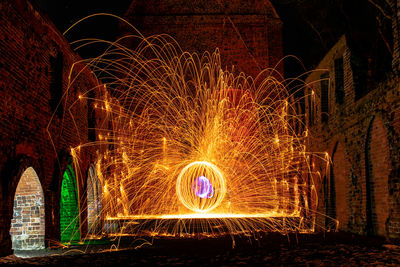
{"points": [[182, 139]]}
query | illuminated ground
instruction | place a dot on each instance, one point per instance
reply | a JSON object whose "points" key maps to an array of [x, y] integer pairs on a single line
{"points": [[330, 249], [203, 225]]}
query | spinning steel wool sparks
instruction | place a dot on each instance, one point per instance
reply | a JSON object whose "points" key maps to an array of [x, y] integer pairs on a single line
{"points": [[183, 139], [198, 194]]}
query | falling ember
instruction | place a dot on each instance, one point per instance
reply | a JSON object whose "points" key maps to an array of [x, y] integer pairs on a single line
{"points": [[184, 139]]}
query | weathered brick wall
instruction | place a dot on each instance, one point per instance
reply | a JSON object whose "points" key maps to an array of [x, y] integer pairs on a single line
{"points": [[341, 177], [313, 89], [378, 167], [27, 226], [366, 164], [35, 61], [247, 33]]}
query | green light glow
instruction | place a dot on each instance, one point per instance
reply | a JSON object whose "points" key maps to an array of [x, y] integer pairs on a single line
{"points": [[69, 208]]}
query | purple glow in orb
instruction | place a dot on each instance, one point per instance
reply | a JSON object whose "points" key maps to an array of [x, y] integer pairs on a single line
{"points": [[202, 187]]}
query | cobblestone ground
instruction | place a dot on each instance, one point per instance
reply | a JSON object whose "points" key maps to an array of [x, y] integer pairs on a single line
{"points": [[306, 250]]}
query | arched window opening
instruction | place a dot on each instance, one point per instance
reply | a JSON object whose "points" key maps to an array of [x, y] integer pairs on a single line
{"points": [[324, 97], [340, 173], [330, 200], [28, 223], [368, 183], [339, 80], [93, 202], [69, 207]]}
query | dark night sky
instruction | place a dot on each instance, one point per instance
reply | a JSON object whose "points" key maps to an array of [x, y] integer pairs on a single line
{"points": [[65, 13], [311, 27]]}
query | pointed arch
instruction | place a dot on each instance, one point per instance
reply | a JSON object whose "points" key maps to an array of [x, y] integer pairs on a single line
{"points": [[93, 201], [340, 173], [28, 223], [377, 170], [69, 207], [330, 195]]}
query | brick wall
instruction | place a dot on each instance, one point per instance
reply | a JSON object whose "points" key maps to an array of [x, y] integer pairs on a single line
{"points": [[35, 60], [365, 168], [247, 33], [341, 176], [27, 226], [378, 169]]}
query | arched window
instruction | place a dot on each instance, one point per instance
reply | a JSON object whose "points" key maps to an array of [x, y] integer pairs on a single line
{"points": [[28, 223], [93, 201], [324, 97], [69, 207], [339, 80]]}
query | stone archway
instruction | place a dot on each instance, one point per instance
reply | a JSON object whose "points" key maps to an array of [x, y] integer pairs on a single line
{"points": [[377, 170], [28, 223], [93, 201], [69, 207]]}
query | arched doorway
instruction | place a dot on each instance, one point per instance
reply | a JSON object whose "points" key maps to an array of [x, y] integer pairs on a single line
{"points": [[377, 170], [329, 189], [340, 173], [330, 200], [28, 223], [93, 201], [69, 207]]}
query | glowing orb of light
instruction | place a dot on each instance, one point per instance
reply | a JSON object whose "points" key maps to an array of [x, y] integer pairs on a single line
{"points": [[200, 186], [203, 188]]}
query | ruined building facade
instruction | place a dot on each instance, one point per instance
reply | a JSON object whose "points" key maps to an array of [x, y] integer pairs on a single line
{"points": [[355, 120], [38, 102], [44, 200]]}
